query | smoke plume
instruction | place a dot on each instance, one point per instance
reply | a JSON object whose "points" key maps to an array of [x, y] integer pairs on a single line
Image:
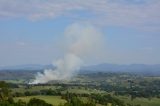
{"points": [[81, 42]]}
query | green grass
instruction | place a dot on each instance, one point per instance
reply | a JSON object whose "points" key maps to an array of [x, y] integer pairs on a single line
{"points": [[54, 100], [141, 101], [83, 91]]}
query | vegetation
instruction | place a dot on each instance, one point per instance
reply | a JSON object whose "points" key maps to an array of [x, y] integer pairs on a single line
{"points": [[54, 100], [94, 89]]}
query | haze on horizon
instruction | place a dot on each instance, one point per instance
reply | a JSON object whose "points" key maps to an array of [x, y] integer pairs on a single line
{"points": [[32, 31]]}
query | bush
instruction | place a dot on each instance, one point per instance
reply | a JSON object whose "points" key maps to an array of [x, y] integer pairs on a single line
{"points": [[38, 102]]}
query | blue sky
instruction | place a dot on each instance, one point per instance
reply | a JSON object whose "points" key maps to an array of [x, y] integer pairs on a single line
{"points": [[30, 31]]}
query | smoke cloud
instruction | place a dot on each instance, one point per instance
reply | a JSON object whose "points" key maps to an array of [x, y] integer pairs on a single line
{"points": [[81, 42]]}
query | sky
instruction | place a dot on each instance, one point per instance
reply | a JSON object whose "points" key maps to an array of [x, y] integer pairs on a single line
{"points": [[31, 31]]}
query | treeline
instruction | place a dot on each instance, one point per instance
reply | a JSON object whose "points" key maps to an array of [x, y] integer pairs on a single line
{"points": [[142, 89], [50, 92], [32, 102], [134, 85], [6, 98], [73, 99], [94, 99]]}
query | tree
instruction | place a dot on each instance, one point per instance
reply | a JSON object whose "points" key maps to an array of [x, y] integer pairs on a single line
{"points": [[38, 102], [5, 92]]}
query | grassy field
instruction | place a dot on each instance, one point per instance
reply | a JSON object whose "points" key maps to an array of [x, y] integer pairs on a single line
{"points": [[96, 84], [141, 101], [55, 100], [84, 91]]}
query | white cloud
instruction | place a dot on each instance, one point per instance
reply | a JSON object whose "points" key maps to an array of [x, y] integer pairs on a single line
{"points": [[107, 12]]}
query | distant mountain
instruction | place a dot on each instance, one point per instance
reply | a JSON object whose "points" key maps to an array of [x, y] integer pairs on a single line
{"points": [[27, 67], [132, 68]]}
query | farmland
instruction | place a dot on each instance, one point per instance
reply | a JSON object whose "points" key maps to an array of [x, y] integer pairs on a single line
{"points": [[100, 88]]}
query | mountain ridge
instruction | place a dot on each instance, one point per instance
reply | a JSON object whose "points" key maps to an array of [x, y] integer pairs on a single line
{"points": [[105, 67]]}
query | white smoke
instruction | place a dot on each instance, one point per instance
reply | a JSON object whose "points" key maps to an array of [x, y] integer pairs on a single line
{"points": [[81, 42]]}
